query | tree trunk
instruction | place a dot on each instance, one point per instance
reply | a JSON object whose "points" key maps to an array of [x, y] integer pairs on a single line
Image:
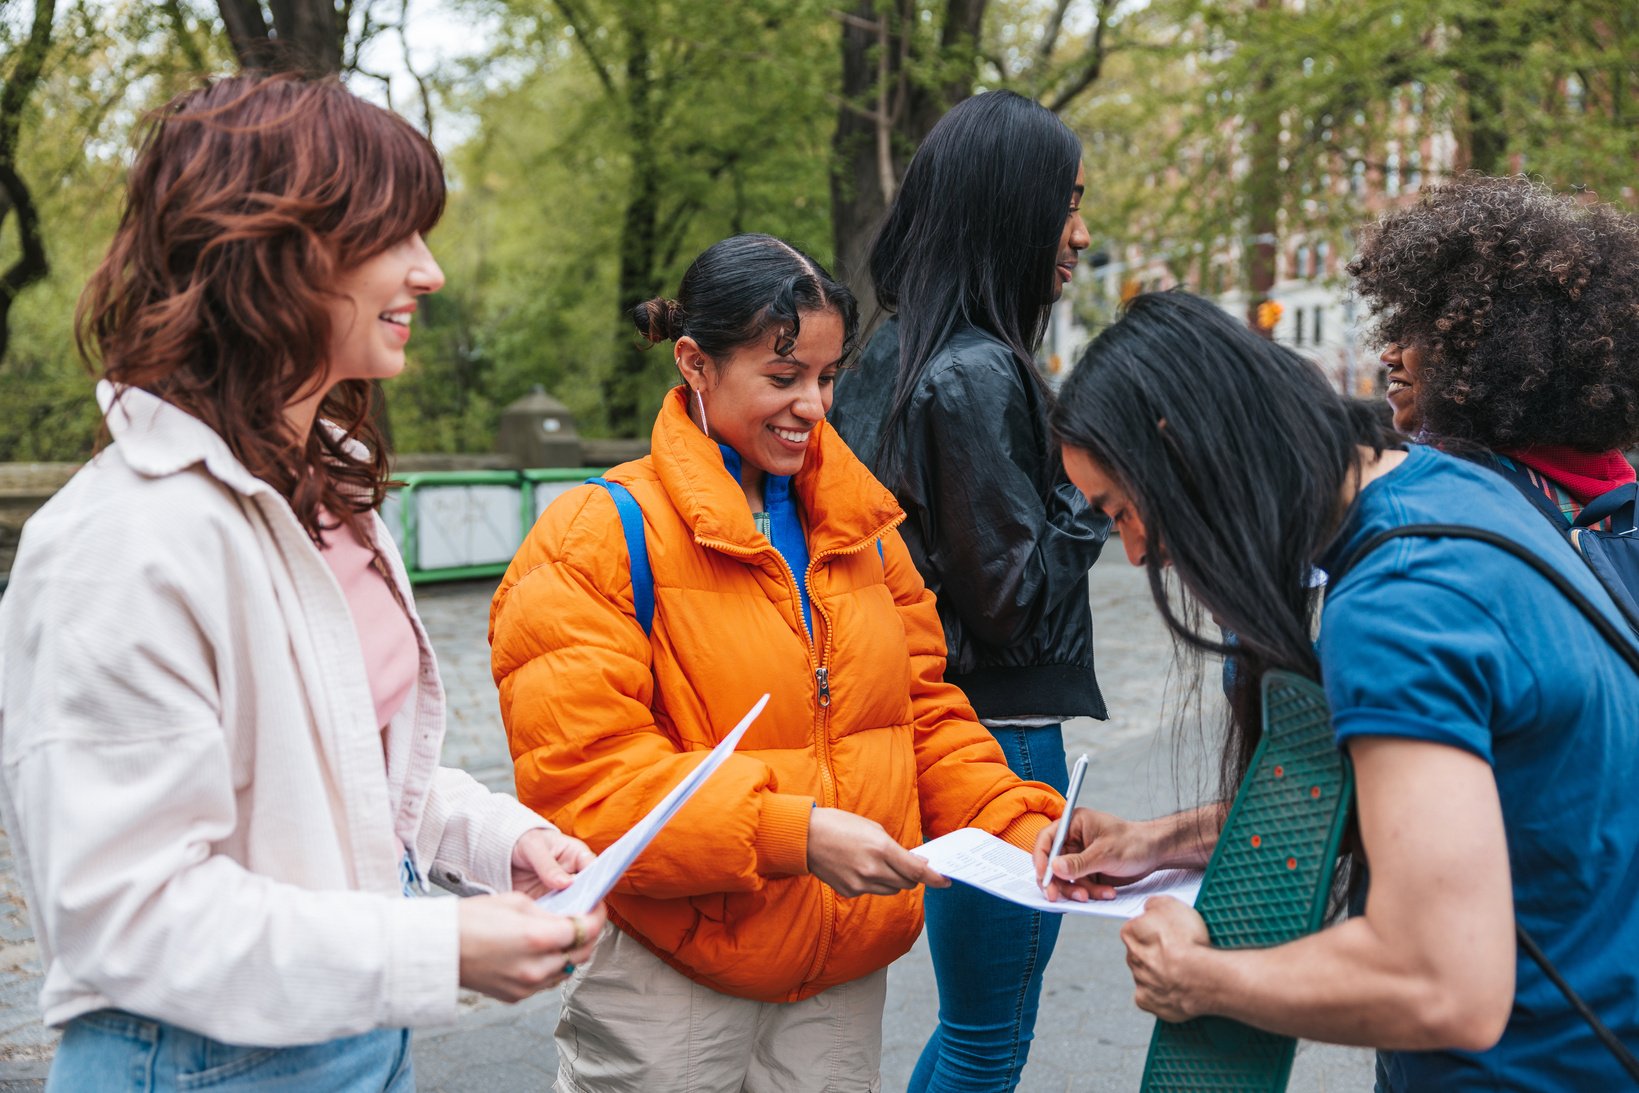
{"points": [[625, 387], [958, 40], [248, 32], [857, 201], [31, 265], [303, 36], [883, 117]]}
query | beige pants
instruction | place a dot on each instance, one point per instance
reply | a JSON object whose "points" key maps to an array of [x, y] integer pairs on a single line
{"points": [[630, 1024]]}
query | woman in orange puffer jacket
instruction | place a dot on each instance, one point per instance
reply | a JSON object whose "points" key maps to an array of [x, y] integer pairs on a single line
{"points": [[755, 932]]}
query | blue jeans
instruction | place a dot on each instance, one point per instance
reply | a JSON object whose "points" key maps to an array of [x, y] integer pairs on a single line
{"points": [[988, 957], [116, 1052]]}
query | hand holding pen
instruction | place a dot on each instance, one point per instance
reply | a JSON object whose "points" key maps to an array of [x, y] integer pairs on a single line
{"points": [[1044, 878]]}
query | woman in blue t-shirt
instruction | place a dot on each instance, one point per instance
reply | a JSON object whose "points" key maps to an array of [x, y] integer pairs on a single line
{"points": [[1487, 721]]}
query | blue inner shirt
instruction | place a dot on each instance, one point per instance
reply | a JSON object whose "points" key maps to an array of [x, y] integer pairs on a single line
{"points": [[1455, 642], [785, 529]]}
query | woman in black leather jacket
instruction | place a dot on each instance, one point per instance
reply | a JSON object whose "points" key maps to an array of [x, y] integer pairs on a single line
{"points": [[948, 409]]}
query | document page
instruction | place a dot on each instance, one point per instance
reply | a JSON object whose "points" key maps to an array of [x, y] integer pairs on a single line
{"points": [[986, 862], [594, 882]]}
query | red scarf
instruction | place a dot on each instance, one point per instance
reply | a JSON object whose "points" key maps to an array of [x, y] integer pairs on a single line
{"points": [[1584, 475]]}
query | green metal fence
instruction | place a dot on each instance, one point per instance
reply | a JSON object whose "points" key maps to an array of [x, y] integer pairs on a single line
{"points": [[461, 525]]}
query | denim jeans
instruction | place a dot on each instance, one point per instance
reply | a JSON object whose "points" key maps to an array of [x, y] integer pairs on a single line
{"points": [[116, 1052], [988, 957]]}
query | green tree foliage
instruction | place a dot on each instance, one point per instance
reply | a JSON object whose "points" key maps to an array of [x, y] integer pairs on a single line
{"points": [[906, 62], [636, 133], [27, 58], [107, 65], [596, 146], [1263, 119]]}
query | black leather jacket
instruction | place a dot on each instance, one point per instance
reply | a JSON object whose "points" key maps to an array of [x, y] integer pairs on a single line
{"points": [[999, 533]]}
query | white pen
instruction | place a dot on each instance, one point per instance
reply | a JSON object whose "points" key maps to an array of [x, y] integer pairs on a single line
{"points": [[1077, 773]]}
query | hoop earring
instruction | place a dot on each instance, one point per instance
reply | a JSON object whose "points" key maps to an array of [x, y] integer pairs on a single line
{"points": [[700, 401]]}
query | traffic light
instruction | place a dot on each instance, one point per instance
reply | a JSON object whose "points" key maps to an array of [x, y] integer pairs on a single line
{"points": [[1269, 313]]}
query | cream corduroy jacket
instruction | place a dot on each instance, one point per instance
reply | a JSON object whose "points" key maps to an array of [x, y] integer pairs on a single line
{"points": [[200, 809]]}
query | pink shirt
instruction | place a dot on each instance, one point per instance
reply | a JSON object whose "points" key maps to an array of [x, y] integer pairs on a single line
{"points": [[391, 656]]}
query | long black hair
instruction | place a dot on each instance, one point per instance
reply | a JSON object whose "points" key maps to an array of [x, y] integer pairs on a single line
{"points": [[972, 238], [741, 288], [1235, 453]]}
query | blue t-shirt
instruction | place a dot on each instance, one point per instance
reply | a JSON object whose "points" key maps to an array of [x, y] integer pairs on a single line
{"points": [[785, 530], [1456, 642]]}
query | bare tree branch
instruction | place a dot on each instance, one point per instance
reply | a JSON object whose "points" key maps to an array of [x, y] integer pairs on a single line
{"points": [[902, 83], [420, 81], [383, 79], [852, 107], [1049, 39], [583, 38], [884, 124], [858, 22], [1092, 66]]}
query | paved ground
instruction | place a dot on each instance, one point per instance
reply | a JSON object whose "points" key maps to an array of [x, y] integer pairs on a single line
{"points": [[1090, 1036]]}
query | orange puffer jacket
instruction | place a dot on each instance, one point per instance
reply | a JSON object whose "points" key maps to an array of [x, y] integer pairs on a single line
{"points": [[603, 721]]}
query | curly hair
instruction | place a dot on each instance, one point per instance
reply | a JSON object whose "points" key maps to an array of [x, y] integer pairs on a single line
{"points": [[1524, 305], [248, 197]]}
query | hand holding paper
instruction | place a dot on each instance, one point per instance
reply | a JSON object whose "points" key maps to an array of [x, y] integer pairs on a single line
{"points": [[1006, 872], [545, 861], [595, 881], [856, 857]]}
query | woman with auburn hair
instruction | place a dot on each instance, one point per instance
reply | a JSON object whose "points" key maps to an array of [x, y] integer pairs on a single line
{"points": [[220, 717]]}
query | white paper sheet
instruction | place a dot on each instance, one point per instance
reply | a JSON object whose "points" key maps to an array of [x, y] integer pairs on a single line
{"points": [[1002, 869], [594, 882]]}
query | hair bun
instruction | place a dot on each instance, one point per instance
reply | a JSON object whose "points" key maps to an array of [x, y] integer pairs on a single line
{"points": [[658, 320]]}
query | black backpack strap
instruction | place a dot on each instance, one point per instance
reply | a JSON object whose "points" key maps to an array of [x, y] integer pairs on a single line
{"points": [[1606, 1036], [1618, 641], [1623, 644]]}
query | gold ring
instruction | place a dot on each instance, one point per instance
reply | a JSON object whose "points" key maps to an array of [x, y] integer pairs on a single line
{"points": [[580, 932]]}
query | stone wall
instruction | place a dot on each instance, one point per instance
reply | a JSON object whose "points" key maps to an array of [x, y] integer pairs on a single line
{"points": [[24, 487]]}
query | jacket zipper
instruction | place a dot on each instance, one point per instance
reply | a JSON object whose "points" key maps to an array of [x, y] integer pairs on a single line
{"points": [[820, 657], [822, 743]]}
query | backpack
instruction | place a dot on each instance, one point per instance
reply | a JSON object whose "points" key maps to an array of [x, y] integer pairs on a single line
{"points": [[1613, 553]]}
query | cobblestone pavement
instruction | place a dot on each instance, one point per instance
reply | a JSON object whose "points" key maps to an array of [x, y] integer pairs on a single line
{"points": [[1089, 1035]]}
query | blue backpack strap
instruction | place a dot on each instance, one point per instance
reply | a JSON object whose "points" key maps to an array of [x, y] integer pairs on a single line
{"points": [[637, 549], [1617, 506]]}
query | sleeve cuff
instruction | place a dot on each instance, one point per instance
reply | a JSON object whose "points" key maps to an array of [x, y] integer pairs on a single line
{"points": [[507, 822], [1366, 721], [1022, 832], [423, 963], [782, 835]]}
